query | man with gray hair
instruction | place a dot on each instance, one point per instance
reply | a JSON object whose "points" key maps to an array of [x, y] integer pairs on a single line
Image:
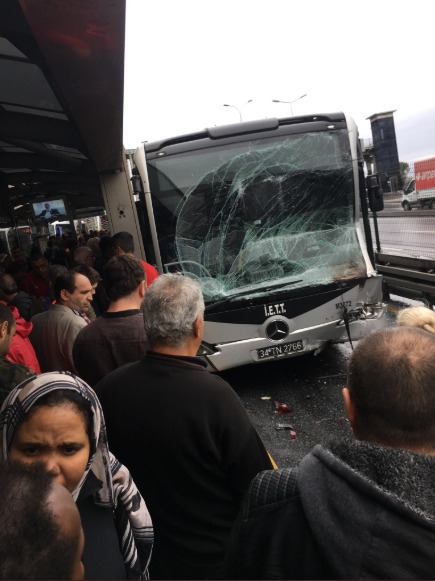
{"points": [[184, 434]]}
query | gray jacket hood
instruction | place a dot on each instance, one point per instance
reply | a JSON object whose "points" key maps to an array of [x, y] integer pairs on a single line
{"points": [[371, 509]]}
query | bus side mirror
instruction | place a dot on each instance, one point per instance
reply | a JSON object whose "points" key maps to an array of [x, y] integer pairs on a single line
{"points": [[375, 194]]}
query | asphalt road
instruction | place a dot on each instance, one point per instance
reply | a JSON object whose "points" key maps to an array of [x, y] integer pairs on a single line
{"points": [[310, 387]]}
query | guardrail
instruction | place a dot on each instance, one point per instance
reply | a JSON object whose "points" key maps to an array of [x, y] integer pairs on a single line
{"points": [[399, 212], [406, 256], [408, 277]]}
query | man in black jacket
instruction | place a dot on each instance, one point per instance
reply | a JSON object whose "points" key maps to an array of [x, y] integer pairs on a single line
{"points": [[184, 435], [361, 509]]}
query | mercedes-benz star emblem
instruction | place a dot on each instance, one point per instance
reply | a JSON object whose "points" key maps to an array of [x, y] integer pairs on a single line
{"points": [[277, 330]]}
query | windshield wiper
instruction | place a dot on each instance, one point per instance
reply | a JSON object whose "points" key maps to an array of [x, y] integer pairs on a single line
{"points": [[227, 300]]}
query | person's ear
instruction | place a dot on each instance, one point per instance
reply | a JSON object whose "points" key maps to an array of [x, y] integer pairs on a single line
{"points": [[198, 327], [142, 289], [349, 407], [64, 295], [3, 329]]}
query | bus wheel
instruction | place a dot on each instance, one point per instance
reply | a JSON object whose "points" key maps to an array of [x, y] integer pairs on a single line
{"points": [[406, 206]]}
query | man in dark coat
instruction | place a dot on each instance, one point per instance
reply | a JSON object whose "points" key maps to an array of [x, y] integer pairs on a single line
{"points": [[118, 336], [361, 509], [184, 435]]}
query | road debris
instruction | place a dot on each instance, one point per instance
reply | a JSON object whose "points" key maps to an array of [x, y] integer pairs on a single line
{"points": [[284, 427], [282, 408]]}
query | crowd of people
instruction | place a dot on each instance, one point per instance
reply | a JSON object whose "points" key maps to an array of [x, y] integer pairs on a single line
{"points": [[124, 458]]}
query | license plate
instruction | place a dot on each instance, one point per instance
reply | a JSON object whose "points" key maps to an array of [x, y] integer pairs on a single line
{"points": [[277, 350]]}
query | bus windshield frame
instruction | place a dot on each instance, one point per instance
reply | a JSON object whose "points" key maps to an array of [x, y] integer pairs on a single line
{"points": [[257, 213]]}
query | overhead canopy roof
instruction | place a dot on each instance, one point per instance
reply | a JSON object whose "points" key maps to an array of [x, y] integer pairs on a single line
{"points": [[61, 101]]}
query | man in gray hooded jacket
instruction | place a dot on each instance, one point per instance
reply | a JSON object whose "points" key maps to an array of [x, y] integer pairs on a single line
{"points": [[362, 509]]}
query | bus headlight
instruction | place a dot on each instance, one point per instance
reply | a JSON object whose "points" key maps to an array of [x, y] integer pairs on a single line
{"points": [[374, 311], [367, 311]]}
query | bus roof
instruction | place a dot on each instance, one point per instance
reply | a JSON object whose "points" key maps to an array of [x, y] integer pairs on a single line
{"points": [[246, 127]]}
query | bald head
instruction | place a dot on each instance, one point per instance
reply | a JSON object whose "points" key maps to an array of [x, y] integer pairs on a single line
{"points": [[391, 383], [84, 255], [8, 287]]}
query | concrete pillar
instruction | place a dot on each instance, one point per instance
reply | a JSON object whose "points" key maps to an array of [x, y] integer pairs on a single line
{"points": [[120, 205]]}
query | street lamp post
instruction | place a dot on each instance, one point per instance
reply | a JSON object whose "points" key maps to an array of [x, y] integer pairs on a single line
{"points": [[239, 110], [289, 102]]}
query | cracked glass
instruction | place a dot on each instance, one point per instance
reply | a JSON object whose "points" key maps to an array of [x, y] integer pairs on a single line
{"points": [[255, 216]]}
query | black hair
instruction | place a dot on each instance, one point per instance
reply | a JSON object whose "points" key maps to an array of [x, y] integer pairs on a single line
{"points": [[31, 543], [124, 240], [92, 274], [61, 397], [7, 315], [54, 271], [65, 281], [122, 275], [37, 256], [106, 246]]}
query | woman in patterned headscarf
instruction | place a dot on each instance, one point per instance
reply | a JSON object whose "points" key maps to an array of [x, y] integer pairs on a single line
{"points": [[56, 418]]}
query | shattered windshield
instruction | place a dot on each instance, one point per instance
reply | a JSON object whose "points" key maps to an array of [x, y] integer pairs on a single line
{"points": [[256, 214]]}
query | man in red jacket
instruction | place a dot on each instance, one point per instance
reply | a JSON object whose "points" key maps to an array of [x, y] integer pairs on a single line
{"points": [[21, 349], [36, 281], [123, 243], [11, 374]]}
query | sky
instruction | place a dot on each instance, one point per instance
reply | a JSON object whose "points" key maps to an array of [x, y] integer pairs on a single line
{"points": [[185, 59]]}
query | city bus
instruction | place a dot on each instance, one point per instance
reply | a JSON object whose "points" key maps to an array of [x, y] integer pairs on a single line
{"points": [[271, 218]]}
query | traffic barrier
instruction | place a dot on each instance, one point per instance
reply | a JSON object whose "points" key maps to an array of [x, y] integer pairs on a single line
{"points": [[407, 276]]}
